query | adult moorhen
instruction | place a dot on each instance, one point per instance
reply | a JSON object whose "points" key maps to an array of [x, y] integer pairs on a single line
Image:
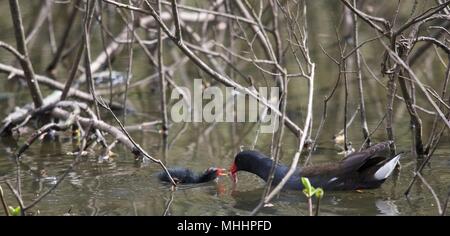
{"points": [[186, 176], [360, 170]]}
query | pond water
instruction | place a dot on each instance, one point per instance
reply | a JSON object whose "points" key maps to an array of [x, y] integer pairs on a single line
{"points": [[125, 186]]}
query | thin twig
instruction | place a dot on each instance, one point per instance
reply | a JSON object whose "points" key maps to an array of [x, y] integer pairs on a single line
{"points": [[162, 80], [68, 170], [17, 196], [4, 204], [438, 203]]}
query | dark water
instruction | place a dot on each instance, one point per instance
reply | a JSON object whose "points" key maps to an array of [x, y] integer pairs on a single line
{"points": [[124, 186]]}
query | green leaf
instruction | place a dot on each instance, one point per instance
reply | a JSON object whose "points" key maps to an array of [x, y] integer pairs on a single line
{"points": [[319, 193], [306, 183], [306, 192], [308, 189], [14, 211]]}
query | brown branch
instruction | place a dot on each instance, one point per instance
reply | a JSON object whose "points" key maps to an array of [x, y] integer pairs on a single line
{"points": [[38, 22], [302, 140], [438, 203], [68, 170], [161, 73], [137, 150], [83, 46], [418, 82], [64, 38], [444, 209], [277, 151], [422, 49], [12, 50], [214, 74], [53, 84], [215, 13], [17, 196], [362, 106], [44, 129], [4, 204], [421, 17], [176, 18], [27, 67], [368, 18], [435, 42]]}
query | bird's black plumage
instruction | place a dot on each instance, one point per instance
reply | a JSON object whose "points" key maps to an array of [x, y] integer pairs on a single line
{"points": [[186, 176], [360, 170]]}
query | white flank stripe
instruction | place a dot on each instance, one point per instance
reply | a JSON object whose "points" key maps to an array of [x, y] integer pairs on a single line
{"points": [[332, 180], [387, 169]]}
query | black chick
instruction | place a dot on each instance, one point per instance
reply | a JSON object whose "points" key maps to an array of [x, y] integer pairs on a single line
{"points": [[186, 176]]}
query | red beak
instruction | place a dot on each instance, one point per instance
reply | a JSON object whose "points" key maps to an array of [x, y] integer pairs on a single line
{"points": [[221, 172], [234, 170]]}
